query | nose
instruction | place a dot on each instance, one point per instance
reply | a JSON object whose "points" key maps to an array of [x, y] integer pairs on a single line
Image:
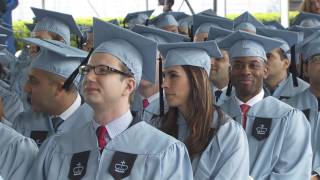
{"points": [[165, 83], [91, 76]]}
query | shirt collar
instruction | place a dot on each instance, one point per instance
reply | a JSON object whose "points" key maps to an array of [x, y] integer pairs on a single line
{"points": [[70, 110], [116, 126], [152, 98], [253, 100], [214, 88]]}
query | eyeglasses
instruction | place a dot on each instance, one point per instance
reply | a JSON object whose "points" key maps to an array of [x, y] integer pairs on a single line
{"points": [[101, 70]]}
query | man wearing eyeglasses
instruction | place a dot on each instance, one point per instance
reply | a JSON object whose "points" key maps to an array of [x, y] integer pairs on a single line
{"points": [[53, 107], [308, 101], [114, 144]]}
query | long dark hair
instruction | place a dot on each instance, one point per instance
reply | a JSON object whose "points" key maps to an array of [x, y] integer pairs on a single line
{"points": [[200, 116]]}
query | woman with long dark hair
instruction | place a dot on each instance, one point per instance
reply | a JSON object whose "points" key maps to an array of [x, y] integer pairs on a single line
{"points": [[217, 145]]}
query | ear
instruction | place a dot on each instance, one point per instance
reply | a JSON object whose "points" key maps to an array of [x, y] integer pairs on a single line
{"points": [[265, 71], [129, 86], [286, 63], [59, 89]]}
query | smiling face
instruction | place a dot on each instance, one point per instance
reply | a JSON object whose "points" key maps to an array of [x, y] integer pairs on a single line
{"points": [[176, 86], [247, 75]]}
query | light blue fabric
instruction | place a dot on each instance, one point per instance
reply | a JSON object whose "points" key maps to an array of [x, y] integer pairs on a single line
{"points": [[17, 154], [307, 19], [56, 57], [159, 35], [56, 22], [286, 152], [287, 37], [138, 53], [247, 21], [194, 54], [286, 89], [29, 122], [12, 104], [164, 20], [308, 104], [159, 156], [203, 23], [244, 44], [151, 114], [227, 154]]}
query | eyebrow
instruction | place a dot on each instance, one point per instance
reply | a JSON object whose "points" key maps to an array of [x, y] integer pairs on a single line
{"points": [[170, 71]]}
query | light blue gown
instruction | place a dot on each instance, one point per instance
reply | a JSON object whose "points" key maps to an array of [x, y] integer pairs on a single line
{"points": [[17, 153], [308, 104], [279, 139], [140, 152]]}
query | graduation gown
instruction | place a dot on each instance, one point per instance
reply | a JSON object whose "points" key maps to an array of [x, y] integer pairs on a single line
{"points": [[279, 139], [139, 152], [223, 97], [39, 127], [12, 105], [308, 104], [285, 89], [227, 155], [17, 153], [18, 77], [151, 114]]}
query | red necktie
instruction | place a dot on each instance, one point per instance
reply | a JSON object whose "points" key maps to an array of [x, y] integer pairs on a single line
{"points": [[145, 103], [244, 109], [101, 134]]}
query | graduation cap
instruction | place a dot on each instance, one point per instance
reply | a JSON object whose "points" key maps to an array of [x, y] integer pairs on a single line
{"points": [[56, 22], [134, 18], [288, 38], [186, 22], [164, 20], [312, 49], [274, 25], [208, 12], [307, 19], [137, 52], [309, 31], [190, 53], [247, 22], [178, 15], [159, 35], [56, 57], [217, 33], [114, 21], [30, 26], [308, 47], [245, 44], [202, 24]]}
